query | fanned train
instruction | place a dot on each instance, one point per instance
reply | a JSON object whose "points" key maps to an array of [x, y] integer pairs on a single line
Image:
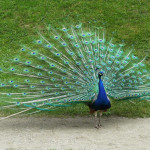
{"points": [[72, 65]]}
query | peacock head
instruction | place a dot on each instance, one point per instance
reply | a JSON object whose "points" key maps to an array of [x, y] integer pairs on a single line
{"points": [[100, 74]]}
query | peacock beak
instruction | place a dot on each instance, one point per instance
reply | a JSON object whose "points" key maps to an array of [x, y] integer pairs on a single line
{"points": [[100, 74]]}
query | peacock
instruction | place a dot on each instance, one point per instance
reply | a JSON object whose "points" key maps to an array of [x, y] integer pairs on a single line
{"points": [[71, 65]]}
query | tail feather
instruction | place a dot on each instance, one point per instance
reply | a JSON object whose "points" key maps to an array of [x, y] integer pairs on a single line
{"points": [[61, 68]]}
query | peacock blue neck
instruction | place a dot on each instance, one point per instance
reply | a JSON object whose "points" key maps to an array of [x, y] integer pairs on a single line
{"points": [[102, 102], [102, 96]]}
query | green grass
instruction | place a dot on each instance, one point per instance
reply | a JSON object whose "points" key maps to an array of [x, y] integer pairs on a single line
{"points": [[131, 109], [127, 20]]}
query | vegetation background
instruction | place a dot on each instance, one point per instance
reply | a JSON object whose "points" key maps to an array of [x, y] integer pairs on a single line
{"points": [[128, 21]]}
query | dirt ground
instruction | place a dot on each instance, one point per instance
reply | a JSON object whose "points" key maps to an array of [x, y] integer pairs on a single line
{"points": [[117, 133]]}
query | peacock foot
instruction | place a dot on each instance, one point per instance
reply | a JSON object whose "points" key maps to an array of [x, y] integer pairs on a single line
{"points": [[99, 125]]}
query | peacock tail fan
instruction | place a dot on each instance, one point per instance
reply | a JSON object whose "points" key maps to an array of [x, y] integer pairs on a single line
{"points": [[61, 68]]}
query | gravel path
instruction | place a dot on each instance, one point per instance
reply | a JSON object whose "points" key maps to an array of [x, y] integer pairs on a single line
{"points": [[117, 133]]}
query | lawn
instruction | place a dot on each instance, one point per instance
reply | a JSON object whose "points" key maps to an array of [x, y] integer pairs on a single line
{"points": [[128, 21]]}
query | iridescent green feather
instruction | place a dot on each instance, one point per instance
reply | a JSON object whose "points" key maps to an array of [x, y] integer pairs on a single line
{"points": [[61, 67]]}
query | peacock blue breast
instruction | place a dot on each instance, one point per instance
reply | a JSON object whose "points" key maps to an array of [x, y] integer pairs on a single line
{"points": [[102, 102]]}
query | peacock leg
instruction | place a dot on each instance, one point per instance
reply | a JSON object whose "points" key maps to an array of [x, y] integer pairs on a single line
{"points": [[100, 116], [96, 125]]}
